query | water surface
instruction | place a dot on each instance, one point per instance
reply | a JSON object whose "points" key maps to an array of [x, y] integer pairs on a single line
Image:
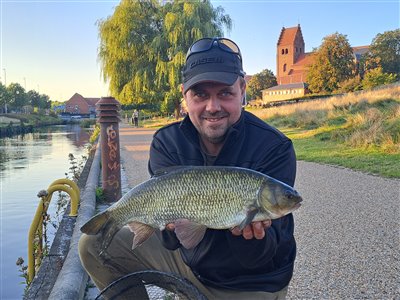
{"points": [[28, 164]]}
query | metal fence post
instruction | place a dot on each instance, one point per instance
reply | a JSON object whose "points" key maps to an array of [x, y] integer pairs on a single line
{"points": [[108, 117]]}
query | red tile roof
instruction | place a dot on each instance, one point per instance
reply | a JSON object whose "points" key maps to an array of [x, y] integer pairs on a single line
{"points": [[304, 60], [288, 35], [92, 101]]}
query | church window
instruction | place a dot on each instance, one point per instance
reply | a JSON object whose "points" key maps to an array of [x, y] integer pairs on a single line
{"points": [[286, 51], [283, 51], [284, 67]]}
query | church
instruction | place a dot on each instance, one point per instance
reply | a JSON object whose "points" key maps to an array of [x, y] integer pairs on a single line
{"points": [[291, 66]]}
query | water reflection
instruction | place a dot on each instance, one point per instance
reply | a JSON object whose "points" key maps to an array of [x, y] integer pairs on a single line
{"points": [[28, 164], [16, 151]]}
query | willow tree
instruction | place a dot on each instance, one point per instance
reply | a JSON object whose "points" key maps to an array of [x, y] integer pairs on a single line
{"points": [[184, 23], [125, 52], [143, 47], [333, 64]]}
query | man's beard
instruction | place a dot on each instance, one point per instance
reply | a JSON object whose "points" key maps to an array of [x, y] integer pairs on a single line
{"points": [[210, 137]]}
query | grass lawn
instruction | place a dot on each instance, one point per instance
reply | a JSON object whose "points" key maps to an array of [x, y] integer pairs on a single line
{"points": [[370, 160]]}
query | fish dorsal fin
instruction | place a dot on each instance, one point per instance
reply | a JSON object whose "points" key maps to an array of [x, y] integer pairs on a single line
{"points": [[142, 233], [189, 233], [167, 170], [251, 213]]}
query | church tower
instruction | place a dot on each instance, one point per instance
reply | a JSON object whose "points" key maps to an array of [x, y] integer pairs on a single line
{"points": [[290, 47]]}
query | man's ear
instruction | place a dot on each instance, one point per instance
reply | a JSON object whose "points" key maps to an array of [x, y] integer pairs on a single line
{"points": [[244, 96]]}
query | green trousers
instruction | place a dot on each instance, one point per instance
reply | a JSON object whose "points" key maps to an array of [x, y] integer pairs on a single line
{"points": [[121, 260]]}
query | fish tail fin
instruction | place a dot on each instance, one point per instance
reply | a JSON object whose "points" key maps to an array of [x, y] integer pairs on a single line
{"points": [[104, 224], [96, 224]]}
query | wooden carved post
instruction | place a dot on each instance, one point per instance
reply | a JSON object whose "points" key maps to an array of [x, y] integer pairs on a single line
{"points": [[108, 117]]}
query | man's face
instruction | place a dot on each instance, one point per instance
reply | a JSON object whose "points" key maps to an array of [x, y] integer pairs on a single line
{"points": [[214, 107]]}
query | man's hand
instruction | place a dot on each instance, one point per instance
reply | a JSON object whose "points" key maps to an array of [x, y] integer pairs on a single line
{"points": [[253, 230], [170, 226]]}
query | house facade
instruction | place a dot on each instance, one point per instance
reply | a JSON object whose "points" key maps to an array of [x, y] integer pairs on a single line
{"points": [[79, 105], [292, 63], [285, 91]]}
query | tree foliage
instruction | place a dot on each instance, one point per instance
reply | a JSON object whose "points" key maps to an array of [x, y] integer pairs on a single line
{"points": [[350, 85], [4, 96], [333, 64], [143, 46], [377, 77], [125, 51], [260, 81], [15, 98], [184, 23], [385, 52]]}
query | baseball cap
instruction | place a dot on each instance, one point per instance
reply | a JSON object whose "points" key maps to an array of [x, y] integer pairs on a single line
{"points": [[212, 59]]}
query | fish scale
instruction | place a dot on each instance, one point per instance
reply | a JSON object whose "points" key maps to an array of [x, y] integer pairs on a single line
{"points": [[223, 196], [211, 197]]}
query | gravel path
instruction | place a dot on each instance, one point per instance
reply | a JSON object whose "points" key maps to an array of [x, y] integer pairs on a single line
{"points": [[347, 229], [348, 235]]}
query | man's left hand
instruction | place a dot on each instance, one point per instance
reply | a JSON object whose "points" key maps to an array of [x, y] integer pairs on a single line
{"points": [[254, 230]]}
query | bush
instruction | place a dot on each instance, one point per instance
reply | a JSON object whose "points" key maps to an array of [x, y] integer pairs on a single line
{"points": [[87, 123], [350, 85], [376, 77], [95, 134]]}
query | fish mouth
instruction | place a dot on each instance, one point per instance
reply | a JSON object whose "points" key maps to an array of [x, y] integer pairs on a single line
{"points": [[294, 207], [297, 205], [284, 212]]}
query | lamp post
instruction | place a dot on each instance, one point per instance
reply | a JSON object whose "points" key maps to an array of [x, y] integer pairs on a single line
{"points": [[5, 84], [5, 77]]}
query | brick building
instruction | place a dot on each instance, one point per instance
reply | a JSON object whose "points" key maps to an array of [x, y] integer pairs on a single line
{"points": [[79, 105], [292, 64]]}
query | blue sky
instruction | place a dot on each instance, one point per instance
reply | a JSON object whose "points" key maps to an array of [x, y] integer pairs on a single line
{"points": [[51, 46]]}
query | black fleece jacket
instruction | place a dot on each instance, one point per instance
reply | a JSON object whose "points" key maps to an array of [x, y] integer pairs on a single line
{"points": [[223, 260]]}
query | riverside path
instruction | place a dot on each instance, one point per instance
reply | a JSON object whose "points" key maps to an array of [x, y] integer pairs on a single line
{"points": [[347, 230]]}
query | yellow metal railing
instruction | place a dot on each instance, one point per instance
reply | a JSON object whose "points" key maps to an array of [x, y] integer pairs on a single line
{"points": [[36, 228]]}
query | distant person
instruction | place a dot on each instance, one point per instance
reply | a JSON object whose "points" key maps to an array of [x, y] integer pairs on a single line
{"points": [[254, 263], [135, 117]]}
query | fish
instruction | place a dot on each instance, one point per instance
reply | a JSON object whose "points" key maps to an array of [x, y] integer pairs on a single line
{"points": [[195, 198]]}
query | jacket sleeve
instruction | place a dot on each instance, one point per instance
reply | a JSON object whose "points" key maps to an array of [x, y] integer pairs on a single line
{"points": [[159, 159], [280, 164]]}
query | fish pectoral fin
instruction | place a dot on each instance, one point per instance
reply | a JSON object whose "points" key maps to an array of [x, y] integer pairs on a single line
{"points": [[251, 213], [141, 233], [189, 233]]}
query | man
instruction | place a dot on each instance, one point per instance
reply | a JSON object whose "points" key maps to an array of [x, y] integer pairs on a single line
{"points": [[256, 263]]}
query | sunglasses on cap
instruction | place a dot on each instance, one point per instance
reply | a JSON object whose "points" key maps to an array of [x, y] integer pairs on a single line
{"points": [[206, 44]]}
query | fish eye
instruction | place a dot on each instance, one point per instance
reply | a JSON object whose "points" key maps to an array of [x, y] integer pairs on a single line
{"points": [[288, 194]]}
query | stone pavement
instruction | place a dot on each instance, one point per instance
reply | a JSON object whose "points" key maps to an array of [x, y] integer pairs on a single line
{"points": [[134, 151], [347, 230]]}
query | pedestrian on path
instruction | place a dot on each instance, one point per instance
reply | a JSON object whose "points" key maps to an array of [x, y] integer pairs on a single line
{"points": [[255, 263], [135, 118]]}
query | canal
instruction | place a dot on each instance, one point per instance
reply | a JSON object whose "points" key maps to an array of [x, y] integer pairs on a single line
{"points": [[28, 164]]}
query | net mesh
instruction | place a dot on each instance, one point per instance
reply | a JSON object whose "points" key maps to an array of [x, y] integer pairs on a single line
{"points": [[152, 285]]}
